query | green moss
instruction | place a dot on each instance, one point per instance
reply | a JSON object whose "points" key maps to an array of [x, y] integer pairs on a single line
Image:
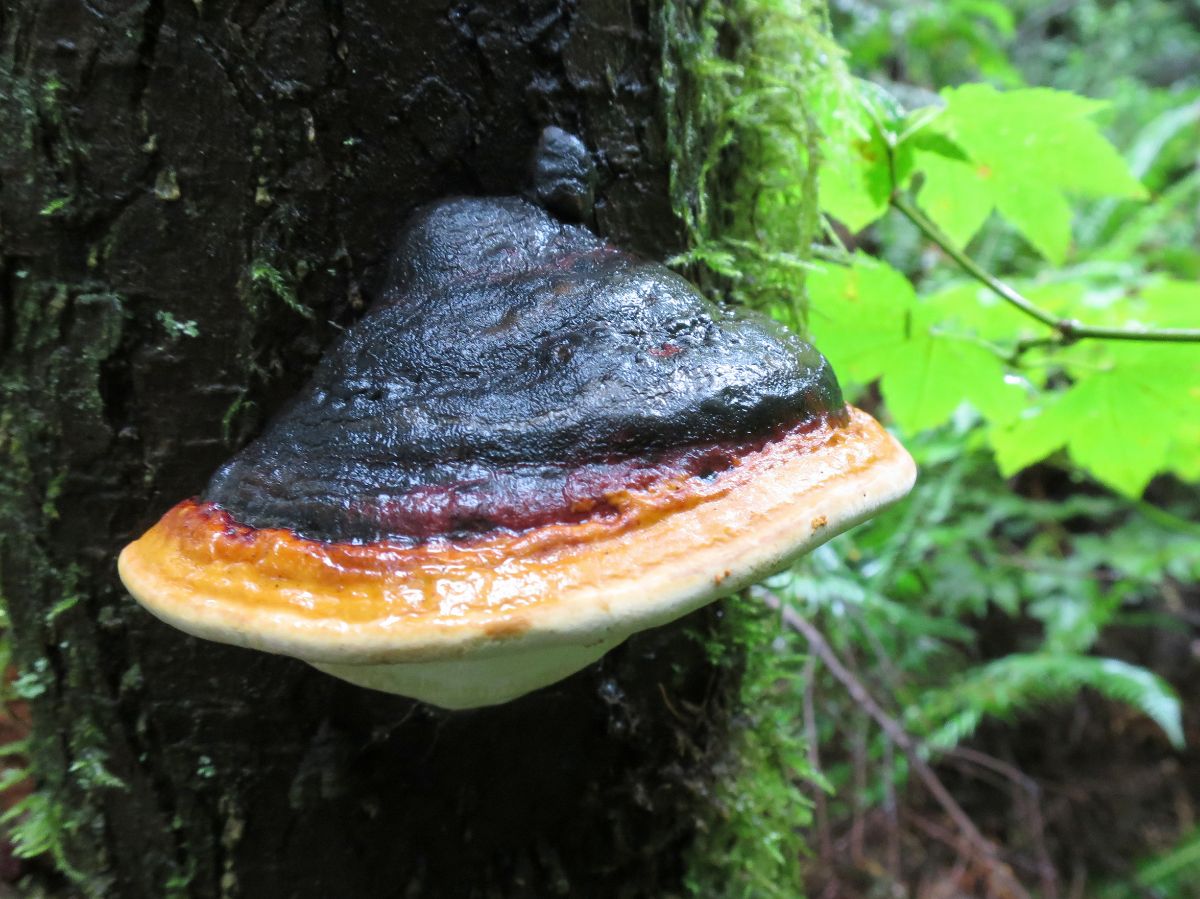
{"points": [[178, 885], [61, 336], [751, 844], [263, 273], [175, 327], [55, 205], [742, 81], [39, 825], [235, 421]]}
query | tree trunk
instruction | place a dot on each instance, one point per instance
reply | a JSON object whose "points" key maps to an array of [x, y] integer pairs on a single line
{"points": [[194, 197]]}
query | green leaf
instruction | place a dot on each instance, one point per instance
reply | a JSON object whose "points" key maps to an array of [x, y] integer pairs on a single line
{"points": [[1031, 147], [882, 108], [1118, 433], [1168, 303], [1131, 413], [928, 141], [855, 181], [858, 314], [972, 308], [954, 195], [1073, 622], [869, 323], [1038, 135], [932, 374], [1042, 215], [861, 142], [1042, 430], [1183, 457]]}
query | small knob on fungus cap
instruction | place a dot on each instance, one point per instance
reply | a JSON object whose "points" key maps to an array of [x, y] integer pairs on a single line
{"points": [[533, 446], [564, 175]]}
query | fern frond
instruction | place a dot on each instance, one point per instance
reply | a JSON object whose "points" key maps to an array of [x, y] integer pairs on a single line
{"points": [[1017, 683]]}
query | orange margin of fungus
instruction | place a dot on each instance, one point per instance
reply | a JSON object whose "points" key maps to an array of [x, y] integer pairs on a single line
{"points": [[671, 548]]}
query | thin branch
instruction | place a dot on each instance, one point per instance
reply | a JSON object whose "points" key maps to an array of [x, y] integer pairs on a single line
{"points": [[858, 823], [891, 809], [824, 837], [1032, 795], [1066, 330], [982, 848], [960, 872]]}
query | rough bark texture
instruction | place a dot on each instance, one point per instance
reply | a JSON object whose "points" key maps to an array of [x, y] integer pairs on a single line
{"points": [[194, 195]]}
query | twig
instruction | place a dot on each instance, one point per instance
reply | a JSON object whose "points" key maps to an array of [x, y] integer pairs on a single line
{"points": [[824, 838], [892, 673], [982, 848], [1066, 330], [667, 702], [858, 823], [891, 810], [1033, 809], [1009, 888]]}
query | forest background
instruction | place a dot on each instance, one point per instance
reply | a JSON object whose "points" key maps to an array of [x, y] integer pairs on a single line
{"points": [[991, 689], [1005, 689]]}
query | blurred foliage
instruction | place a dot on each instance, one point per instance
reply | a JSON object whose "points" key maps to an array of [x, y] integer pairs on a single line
{"points": [[972, 602], [1057, 145], [1172, 873], [1024, 154], [912, 587]]}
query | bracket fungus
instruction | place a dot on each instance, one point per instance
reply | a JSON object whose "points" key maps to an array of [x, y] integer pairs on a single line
{"points": [[531, 447]]}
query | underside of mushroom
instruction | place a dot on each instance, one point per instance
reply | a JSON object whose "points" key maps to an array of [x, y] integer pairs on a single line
{"points": [[532, 446]]}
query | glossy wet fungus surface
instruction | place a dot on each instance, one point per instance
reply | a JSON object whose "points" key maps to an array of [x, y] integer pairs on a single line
{"points": [[563, 175], [514, 373]]}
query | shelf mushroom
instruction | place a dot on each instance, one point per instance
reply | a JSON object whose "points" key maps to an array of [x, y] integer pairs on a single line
{"points": [[533, 446]]}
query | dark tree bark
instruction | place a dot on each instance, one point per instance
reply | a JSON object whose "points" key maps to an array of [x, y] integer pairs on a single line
{"points": [[195, 194]]}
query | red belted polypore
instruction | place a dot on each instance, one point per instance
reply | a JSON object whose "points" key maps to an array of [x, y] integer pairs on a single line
{"points": [[533, 446]]}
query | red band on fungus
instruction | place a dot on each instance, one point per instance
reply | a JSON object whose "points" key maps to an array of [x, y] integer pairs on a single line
{"points": [[273, 568]]}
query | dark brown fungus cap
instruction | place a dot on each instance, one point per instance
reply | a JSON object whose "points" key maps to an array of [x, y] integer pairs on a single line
{"points": [[534, 445]]}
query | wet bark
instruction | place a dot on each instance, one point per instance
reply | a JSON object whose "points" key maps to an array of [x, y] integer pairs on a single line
{"points": [[194, 196]]}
